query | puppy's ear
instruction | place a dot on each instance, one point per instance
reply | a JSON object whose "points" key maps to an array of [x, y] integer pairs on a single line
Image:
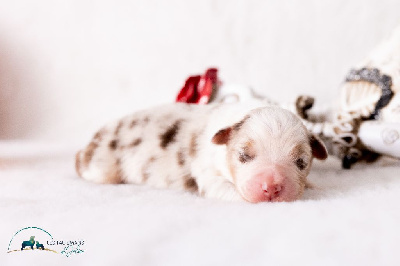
{"points": [[318, 148], [222, 136]]}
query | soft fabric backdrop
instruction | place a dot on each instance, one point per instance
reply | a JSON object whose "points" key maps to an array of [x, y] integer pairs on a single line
{"points": [[68, 66]]}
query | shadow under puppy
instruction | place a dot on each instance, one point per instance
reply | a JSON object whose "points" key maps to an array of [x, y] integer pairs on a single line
{"points": [[240, 151]]}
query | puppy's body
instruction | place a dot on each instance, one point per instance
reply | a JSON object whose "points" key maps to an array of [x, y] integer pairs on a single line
{"points": [[226, 151]]}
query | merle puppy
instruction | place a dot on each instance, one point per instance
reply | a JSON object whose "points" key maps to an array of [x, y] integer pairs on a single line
{"points": [[226, 151]]}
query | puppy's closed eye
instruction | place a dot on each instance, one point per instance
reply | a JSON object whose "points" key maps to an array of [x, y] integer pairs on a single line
{"points": [[245, 157], [301, 164], [246, 152]]}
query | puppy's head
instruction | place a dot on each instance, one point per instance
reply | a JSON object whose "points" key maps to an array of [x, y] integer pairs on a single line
{"points": [[269, 154]]}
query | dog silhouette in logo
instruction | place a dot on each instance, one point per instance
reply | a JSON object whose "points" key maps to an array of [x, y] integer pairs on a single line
{"points": [[29, 243], [38, 245]]}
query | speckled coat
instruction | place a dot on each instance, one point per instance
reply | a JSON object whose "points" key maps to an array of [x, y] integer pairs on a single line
{"points": [[191, 147]]}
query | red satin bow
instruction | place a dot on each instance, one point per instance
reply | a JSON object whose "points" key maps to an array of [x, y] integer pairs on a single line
{"points": [[200, 89]]}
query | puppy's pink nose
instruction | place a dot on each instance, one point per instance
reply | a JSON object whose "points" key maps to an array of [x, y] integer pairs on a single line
{"points": [[271, 190], [266, 186]]}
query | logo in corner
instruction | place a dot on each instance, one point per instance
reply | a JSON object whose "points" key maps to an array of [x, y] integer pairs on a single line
{"points": [[36, 239]]}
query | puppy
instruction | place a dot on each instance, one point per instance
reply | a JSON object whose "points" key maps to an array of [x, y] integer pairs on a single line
{"points": [[252, 152]]}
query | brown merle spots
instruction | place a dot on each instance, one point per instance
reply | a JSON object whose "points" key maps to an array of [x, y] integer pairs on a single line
{"points": [[146, 120], [99, 135], [133, 124], [190, 184], [89, 152], [118, 128], [146, 168], [193, 145], [114, 175], [238, 125], [169, 135], [78, 163], [181, 158], [113, 144], [135, 142]]}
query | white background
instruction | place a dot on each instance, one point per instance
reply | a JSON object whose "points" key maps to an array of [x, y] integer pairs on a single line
{"points": [[67, 67]]}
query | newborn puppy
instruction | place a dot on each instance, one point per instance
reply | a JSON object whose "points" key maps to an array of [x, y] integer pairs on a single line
{"points": [[226, 151]]}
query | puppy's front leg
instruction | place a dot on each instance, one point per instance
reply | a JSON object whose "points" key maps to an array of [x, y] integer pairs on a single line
{"points": [[221, 189]]}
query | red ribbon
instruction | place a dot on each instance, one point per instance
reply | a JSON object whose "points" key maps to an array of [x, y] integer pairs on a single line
{"points": [[200, 89]]}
